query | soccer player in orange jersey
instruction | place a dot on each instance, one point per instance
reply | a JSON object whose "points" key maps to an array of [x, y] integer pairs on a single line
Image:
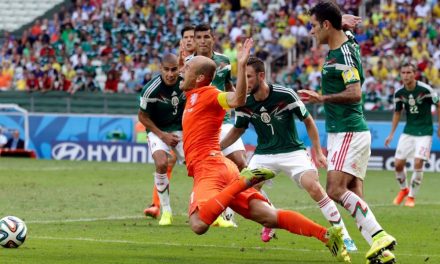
{"points": [[217, 181]]}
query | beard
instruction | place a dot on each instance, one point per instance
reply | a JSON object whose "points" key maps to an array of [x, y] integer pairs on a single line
{"points": [[255, 88]]}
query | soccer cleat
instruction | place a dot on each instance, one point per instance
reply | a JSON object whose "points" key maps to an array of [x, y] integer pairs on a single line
{"points": [[381, 242], [152, 211], [400, 196], [336, 245], [350, 245], [410, 202], [267, 234], [387, 257], [221, 222], [166, 218], [256, 175]]}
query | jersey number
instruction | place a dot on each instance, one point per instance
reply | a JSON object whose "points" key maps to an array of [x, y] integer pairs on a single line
{"points": [[413, 109], [175, 111], [334, 157], [271, 128]]}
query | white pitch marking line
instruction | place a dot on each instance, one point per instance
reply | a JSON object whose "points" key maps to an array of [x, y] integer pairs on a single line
{"points": [[111, 218], [200, 245]]}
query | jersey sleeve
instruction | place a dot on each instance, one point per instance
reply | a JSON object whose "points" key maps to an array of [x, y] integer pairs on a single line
{"points": [[350, 73], [398, 104], [242, 118], [297, 106], [147, 97]]}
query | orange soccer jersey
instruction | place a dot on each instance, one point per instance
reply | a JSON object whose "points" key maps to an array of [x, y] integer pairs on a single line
{"points": [[202, 119]]}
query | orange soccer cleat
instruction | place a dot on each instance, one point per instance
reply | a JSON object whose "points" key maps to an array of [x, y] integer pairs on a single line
{"points": [[152, 211], [400, 196], [410, 202]]}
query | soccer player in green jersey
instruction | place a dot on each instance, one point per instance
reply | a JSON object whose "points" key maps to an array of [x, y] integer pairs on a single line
{"points": [[160, 111], [204, 39], [416, 98], [271, 109], [349, 138], [187, 44]]}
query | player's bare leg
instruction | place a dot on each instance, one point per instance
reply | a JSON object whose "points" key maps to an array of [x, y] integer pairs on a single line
{"points": [[337, 182]]}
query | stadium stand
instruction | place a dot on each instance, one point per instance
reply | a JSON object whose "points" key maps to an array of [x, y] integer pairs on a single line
{"points": [[113, 47]]}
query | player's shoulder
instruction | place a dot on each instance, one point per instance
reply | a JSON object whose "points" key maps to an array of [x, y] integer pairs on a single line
{"points": [[284, 92], [152, 86], [425, 86], [220, 57], [400, 90]]}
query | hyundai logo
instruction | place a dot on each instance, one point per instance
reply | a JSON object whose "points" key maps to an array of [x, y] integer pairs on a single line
{"points": [[68, 151]]}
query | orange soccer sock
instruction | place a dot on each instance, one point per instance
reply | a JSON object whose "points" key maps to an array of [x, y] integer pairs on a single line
{"points": [[212, 208], [169, 170], [297, 223]]}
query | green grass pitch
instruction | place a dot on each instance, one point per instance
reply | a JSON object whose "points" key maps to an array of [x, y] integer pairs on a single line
{"points": [[86, 212]]}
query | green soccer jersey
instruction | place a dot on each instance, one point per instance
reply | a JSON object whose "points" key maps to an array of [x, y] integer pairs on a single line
{"points": [[164, 104], [343, 67], [417, 104], [273, 120]]}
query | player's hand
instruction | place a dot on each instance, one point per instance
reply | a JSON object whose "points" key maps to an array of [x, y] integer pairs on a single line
{"points": [[308, 96], [350, 22], [170, 139], [321, 160], [244, 51], [388, 141]]}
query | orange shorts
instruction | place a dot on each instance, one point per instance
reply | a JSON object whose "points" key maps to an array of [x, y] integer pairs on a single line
{"points": [[211, 176]]}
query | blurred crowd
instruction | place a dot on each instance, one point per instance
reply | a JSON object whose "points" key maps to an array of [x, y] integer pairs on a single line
{"points": [[116, 45]]}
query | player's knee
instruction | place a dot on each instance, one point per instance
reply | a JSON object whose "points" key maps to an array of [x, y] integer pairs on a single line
{"points": [[334, 192], [161, 166], [197, 225], [263, 213]]}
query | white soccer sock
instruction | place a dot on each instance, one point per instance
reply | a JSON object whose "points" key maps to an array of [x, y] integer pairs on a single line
{"points": [[366, 236], [163, 189], [416, 180], [401, 179], [331, 213], [363, 215]]}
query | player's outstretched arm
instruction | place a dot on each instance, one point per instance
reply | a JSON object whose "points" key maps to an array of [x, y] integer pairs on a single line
{"points": [[169, 138], [351, 94], [312, 131], [238, 98], [395, 122], [232, 136]]}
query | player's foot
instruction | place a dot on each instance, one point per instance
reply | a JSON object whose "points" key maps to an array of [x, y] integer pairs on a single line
{"points": [[336, 245], [350, 245], [256, 175], [221, 222], [152, 211], [387, 257], [400, 196], [381, 242], [410, 202], [267, 234], [166, 218]]}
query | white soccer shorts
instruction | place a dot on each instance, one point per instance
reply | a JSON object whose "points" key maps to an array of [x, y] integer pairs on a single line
{"points": [[236, 146], [349, 152], [155, 144], [409, 147], [293, 164]]}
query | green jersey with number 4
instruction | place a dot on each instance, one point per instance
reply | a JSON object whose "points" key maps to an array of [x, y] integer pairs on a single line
{"points": [[273, 120], [417, 104], [343, 67], [164, 104]]}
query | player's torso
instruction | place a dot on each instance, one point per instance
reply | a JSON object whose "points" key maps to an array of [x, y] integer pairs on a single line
{"points": [[165, 103], [342, 117], [273, 121], [202, 119], [417, 104], [223, 72]]}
